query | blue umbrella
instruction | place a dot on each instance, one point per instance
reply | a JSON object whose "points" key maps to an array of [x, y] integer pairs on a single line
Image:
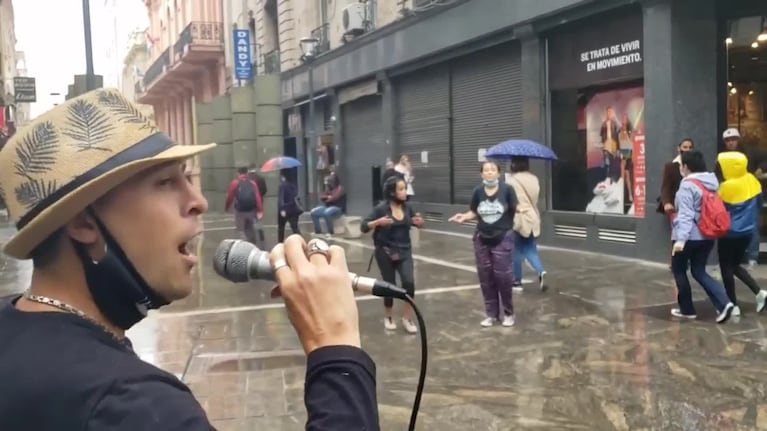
{"points": [[282, 162], [520, 148]]}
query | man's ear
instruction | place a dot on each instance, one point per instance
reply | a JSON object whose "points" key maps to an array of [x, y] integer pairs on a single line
{"points": [[83, 229]]}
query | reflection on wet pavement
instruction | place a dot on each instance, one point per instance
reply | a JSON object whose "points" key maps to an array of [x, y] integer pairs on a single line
{"points": [[598, 351]]}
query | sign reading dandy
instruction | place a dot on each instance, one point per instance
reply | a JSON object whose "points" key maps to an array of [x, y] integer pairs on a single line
{"points": [[612, 56], [243, 61]]}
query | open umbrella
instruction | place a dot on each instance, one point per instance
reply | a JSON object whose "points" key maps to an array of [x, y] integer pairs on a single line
{"points": [[520, 148], [282, 162]]}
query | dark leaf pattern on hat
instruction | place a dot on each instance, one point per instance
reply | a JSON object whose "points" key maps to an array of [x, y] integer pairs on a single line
{"points": [[36, 151], [30, 192], [36, 154], [124, 109], [88, 126]]}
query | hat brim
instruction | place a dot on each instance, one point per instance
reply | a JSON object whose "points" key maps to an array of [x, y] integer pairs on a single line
{"points": [[64, 209]]}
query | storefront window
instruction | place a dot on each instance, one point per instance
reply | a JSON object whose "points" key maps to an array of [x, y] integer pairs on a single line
{"points": [[747, 84], [746, 55], [597, 116]]}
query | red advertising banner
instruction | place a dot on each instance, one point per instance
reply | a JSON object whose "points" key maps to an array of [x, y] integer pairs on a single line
{"points": [[640, 175]]}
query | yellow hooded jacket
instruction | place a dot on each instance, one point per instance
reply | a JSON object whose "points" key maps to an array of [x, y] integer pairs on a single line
{"points": [[740, 191]]}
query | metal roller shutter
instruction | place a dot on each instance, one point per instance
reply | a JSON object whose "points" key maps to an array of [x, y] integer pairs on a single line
{"points": [[423, 124], [487, 109], [363, 146]]}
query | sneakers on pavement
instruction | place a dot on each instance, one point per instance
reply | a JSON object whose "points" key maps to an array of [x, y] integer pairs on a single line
{"points": [[409, 326], [541, 284], [389, 324], [678, 313], [517, 287], [508, 321], [487, 322], [761, 300], [726, 312]]}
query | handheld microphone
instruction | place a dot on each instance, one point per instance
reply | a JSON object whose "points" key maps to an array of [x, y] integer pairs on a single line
{"points": [[240, 261]]}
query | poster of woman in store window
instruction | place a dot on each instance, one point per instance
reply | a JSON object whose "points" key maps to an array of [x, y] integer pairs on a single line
{"points": [[610, 146]]}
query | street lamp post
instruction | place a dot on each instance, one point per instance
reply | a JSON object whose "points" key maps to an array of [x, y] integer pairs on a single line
{"points": [[90, 81], [308, 48]]}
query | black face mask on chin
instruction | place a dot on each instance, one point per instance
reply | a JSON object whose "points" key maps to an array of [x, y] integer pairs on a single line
{"points": [[118, 290]]}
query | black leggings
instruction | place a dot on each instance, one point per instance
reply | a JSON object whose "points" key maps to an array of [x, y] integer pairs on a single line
{"points": [[389, 269], [292, 219], [731, 253]]}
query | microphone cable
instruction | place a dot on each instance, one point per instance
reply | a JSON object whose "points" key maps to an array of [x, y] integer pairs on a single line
{"points": [[424, 360]]}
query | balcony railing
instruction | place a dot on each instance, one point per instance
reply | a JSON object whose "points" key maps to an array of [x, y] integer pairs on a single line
{"points": [[271, 61], [157, 68], [199, 33], [322, 33]]}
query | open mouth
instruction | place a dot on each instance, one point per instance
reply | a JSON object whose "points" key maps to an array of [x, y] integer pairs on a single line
{"points": [[189, 247]]}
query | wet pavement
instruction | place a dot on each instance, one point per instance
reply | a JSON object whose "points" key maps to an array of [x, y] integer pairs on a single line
{"points": [[598, 351]]}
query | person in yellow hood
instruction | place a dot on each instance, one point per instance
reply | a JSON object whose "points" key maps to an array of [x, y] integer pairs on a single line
{"points": [[742, 195]]}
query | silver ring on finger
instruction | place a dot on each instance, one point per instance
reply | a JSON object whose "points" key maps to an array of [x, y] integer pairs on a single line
{"points": [[317, 246], [279, 264]]}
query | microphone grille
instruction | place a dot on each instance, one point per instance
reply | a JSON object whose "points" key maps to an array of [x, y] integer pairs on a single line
{"points": [[238, 260], [221, 255]]}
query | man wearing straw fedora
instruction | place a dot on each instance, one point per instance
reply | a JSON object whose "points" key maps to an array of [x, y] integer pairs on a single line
{"points": [[105, 209]]}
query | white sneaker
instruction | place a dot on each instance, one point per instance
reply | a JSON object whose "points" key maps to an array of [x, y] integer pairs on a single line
{"points": [[508, 321], [389, 324], [517, 287], [541, 283], [726, 312], [761, 300], [736, 311], [328, 236], [488, 322], [409, 326], [751, 265], [678, 313]]}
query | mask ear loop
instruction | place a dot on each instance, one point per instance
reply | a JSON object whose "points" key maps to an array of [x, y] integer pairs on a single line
{"points": [[102, 229]]}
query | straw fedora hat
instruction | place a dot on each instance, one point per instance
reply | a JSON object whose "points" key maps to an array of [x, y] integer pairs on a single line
{"points": [[72, 155]]}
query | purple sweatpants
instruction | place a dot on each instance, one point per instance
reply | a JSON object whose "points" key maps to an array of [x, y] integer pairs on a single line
{"points": [[496, 275]]}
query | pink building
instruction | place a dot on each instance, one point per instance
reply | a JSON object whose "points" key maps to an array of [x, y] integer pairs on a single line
{"points": [[187, 63]]}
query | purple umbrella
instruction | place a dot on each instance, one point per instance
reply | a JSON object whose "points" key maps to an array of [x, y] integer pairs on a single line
{"points": [[520, 148]]}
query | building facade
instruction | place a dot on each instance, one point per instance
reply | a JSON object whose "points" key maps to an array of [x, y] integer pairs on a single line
{"points": [[136, 62], [8, 71], [22, 109], [187, 62], [594, 80]]}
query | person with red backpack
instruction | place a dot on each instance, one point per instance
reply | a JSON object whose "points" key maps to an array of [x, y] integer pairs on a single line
{"points": [[245, 196], [701, 218]]}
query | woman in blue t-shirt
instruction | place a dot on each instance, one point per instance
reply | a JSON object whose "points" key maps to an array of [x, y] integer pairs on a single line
{"points": [[493, 203]]}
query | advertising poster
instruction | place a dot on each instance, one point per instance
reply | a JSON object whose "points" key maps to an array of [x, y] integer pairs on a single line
{"points": [[615, 151]]}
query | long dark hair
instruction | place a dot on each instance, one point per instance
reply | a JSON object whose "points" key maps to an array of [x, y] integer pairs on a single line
{"points": [[390, 188]]}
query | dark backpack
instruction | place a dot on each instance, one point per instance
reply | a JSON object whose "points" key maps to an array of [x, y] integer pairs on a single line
{"points": [[245, 197]]}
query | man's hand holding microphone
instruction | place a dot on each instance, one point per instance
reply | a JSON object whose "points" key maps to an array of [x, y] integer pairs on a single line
{"points": [[315, 286]]}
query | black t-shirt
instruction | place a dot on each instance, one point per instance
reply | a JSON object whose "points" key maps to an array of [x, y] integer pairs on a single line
{"points": [[59, 372], [495, 214], [397, 234]]}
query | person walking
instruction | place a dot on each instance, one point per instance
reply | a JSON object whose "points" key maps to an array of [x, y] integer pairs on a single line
{"points": [[494, 204], [691, 248], [289, 206], [406, 169], [391, 221], [245, 197], [254, 175], [742, 195], [527, 221]]}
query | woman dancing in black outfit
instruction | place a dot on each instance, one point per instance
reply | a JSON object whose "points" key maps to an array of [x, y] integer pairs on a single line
{"points": [[391, 221]]}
